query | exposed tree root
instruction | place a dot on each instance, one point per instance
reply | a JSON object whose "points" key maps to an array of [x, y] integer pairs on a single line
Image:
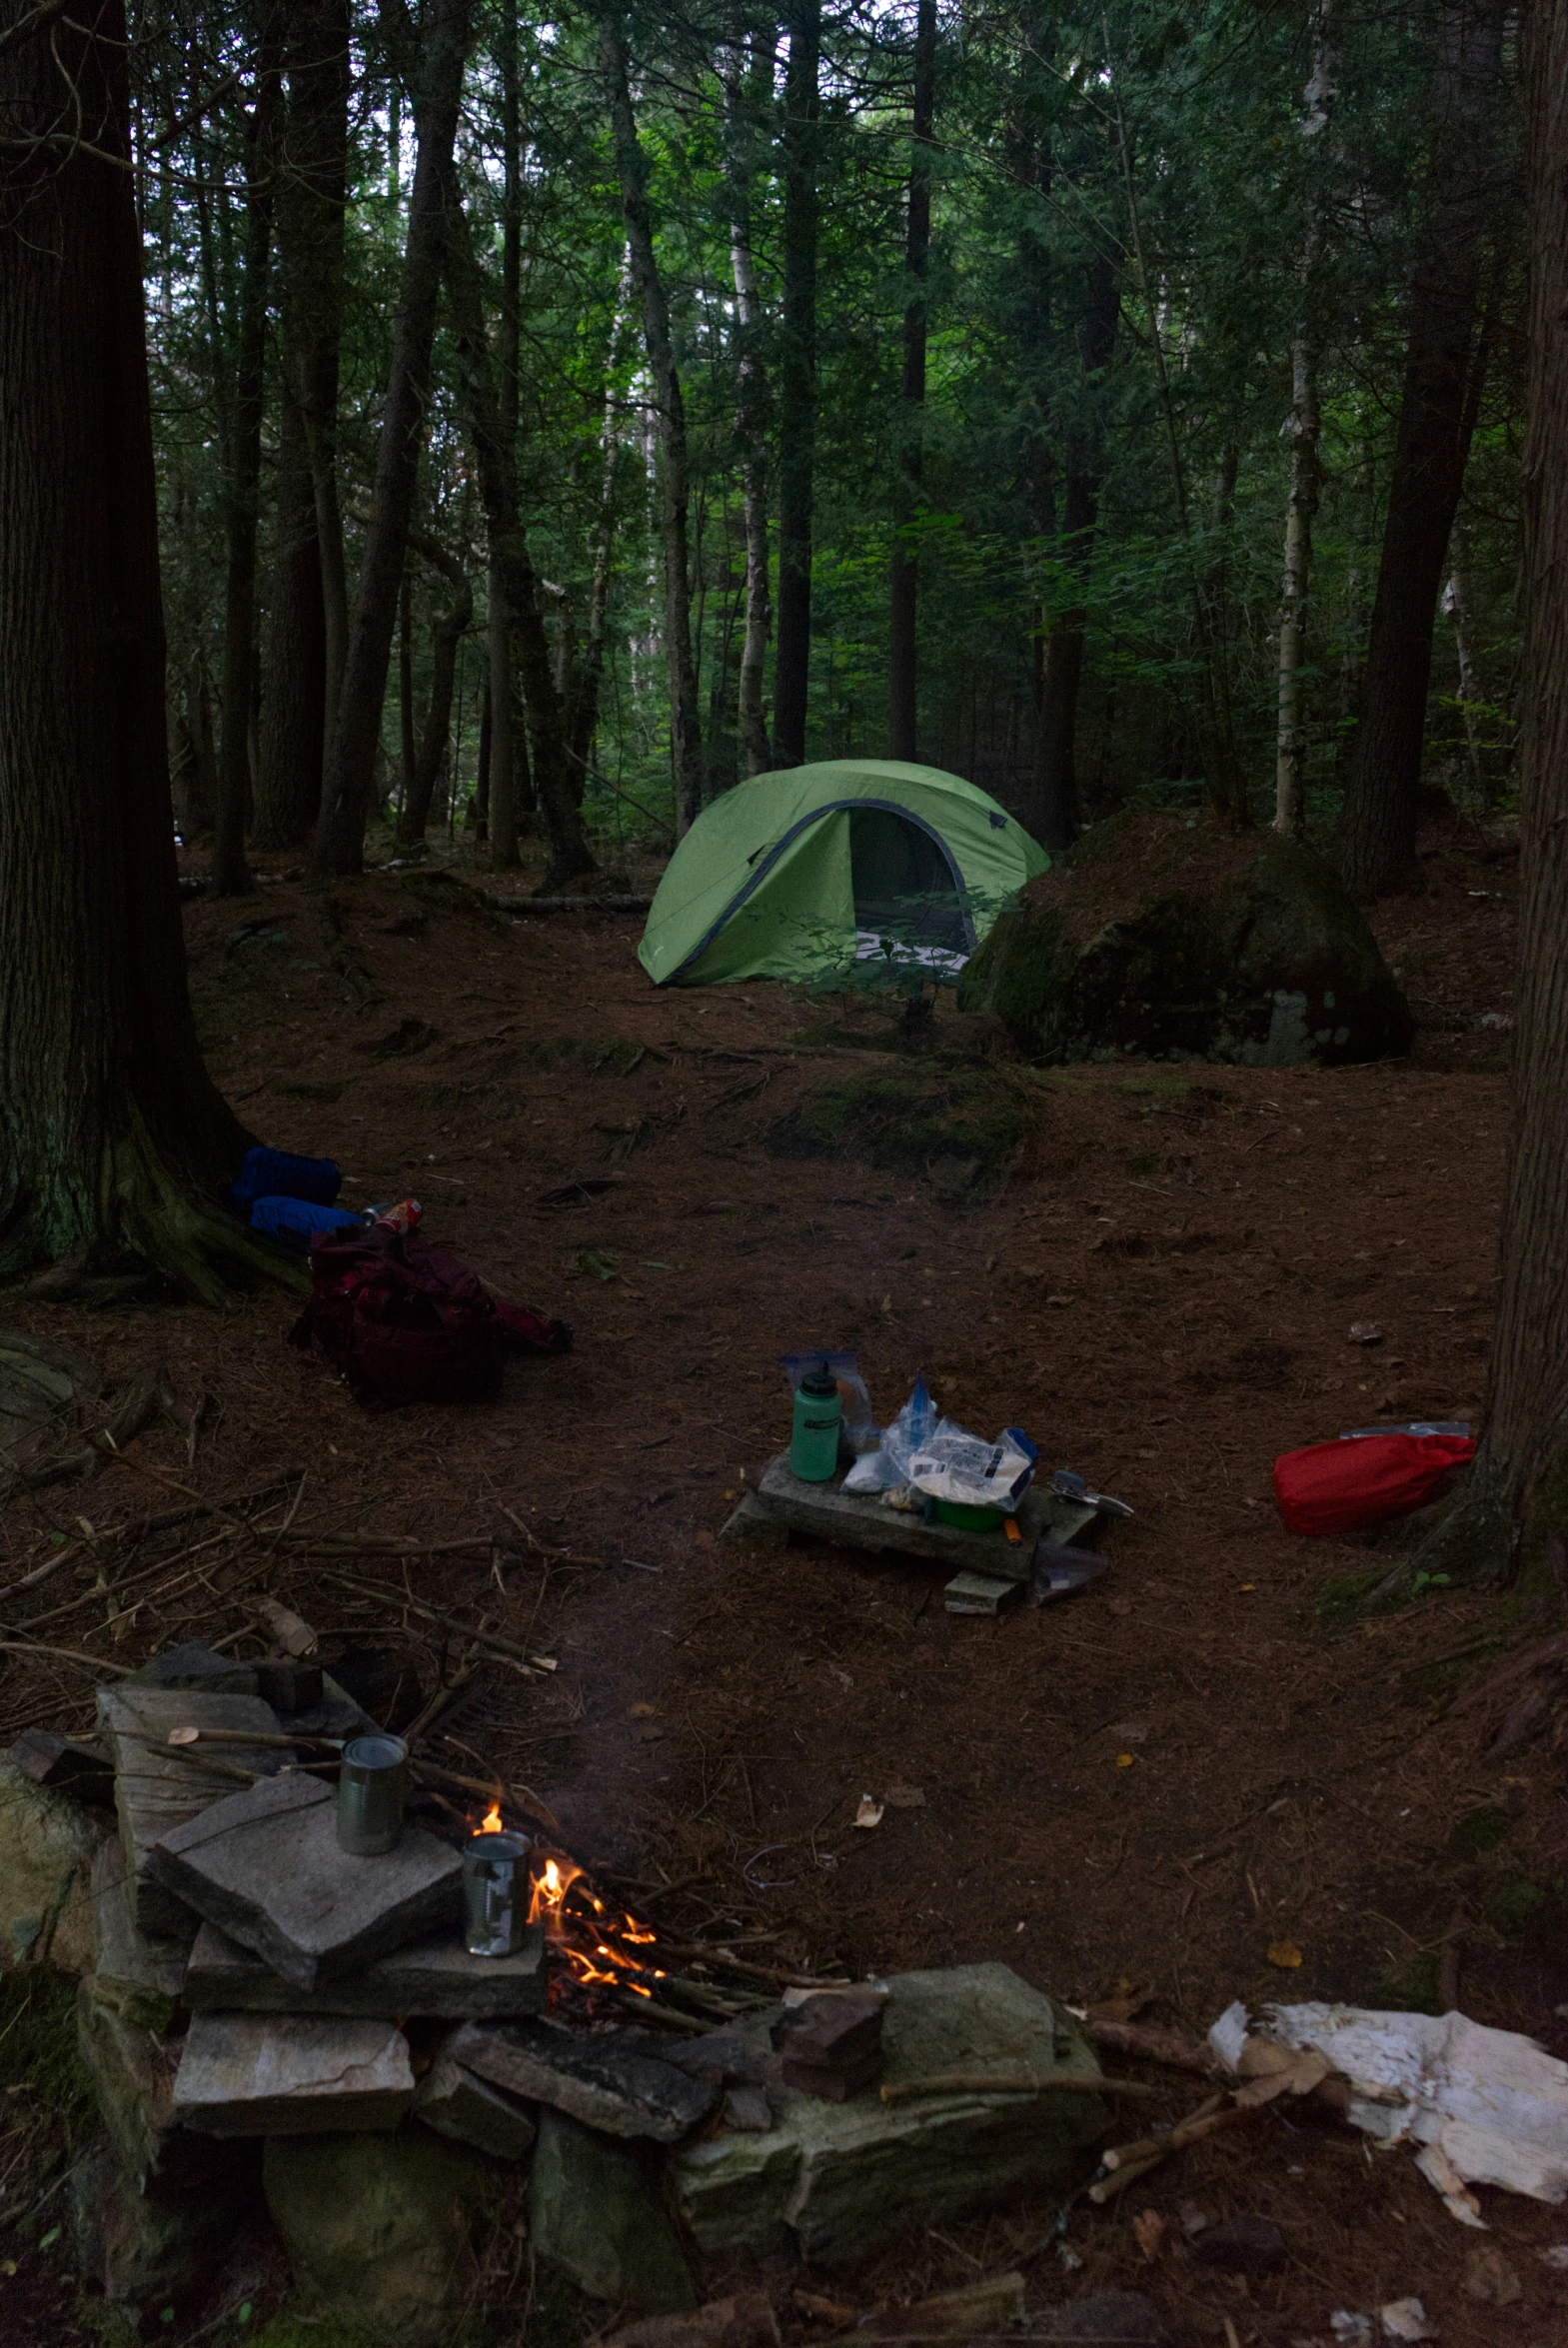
{"points": [[141, 1219]]}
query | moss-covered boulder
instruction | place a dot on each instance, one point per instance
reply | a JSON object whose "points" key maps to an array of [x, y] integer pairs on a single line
{"points": [[1165, 937]]}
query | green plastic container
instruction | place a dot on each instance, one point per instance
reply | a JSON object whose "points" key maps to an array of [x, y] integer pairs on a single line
{"points": [[813, 1437], [969, 1518]]}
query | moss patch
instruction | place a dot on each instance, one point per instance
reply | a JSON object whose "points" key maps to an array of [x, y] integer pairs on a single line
{"points": [[38, 2043], [907, 1124]]}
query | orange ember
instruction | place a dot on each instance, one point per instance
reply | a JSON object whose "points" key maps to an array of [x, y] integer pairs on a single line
{"points": [[589, 1941]]}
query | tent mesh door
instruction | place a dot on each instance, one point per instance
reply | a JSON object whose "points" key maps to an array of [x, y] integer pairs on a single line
{"points": [[902, 882]]}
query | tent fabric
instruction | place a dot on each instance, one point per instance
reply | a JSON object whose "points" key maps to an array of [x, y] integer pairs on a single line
{"points": [[794, 873]]}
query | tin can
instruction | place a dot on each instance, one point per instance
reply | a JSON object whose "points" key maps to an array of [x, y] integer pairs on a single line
{"points": [[371, 1789], [494, 1893]]}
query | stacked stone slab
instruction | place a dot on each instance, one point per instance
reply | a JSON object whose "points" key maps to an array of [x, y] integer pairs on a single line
{"points": [[256, 1991]]}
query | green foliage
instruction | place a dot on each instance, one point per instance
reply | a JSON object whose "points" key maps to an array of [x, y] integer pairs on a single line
{"points": [[38, 2044]]}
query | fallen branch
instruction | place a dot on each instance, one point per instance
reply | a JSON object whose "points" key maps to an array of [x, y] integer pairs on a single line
{"points": [[28, 1646], [1015, 2083], [508, 1647], [1171, 2048], [1127, 2163]]}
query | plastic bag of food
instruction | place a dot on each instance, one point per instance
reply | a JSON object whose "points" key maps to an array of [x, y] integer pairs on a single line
{"points": [[861, 1430], [879, 1471], [952, 1464]]}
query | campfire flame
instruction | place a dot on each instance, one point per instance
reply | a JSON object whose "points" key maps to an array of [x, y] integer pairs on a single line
{"points": [[587, 1934], [491, 1823]]}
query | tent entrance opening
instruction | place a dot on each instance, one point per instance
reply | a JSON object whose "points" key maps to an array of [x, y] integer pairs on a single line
{"points": [[903, 884]]}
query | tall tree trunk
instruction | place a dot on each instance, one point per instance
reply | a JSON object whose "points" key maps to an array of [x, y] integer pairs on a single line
{"points": [[570, 854], [904, 587], [293, 672], [797, 383], [242, 471], [112, 1135], [1304, 428], [406, 749], [1052, 812], [356, 731], [583, 674], [447, 631], [685, 729], [1459, 612], [503, 764], [311, 195], [751, 411], [1517, 1497], [1444, 360]]}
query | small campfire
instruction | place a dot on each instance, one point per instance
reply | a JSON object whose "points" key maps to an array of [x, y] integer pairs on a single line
{"points": [[592, 1943]]}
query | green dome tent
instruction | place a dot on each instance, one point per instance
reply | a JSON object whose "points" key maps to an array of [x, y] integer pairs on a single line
{"points": [[794, 874]]}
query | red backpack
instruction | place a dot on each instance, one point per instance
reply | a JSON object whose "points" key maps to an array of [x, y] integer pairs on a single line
{"points": [[408, 1321]]}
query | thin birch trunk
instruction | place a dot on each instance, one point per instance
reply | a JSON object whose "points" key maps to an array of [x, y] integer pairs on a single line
{"points": [[751, 421], [1304, 427], [685, 730], [904, 585], [1461, 617], [583, 675]]}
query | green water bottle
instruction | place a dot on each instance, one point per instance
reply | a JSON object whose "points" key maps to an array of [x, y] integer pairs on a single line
{"points": [[814, 1439]]}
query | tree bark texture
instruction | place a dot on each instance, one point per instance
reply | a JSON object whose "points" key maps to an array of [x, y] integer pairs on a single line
{"points": [[1053, 814], [1304, 428], [294, 670], [356, 730], [504, 853], [1518, 1489], [447, 630], [1444, 361], [750, 416], [311, 195], [511, 565], [796, 375], [904, 582], [111, 1131], [242, 469], [685, 730], [584, 670]]}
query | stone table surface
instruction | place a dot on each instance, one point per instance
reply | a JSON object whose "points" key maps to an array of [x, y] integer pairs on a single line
{"points": [[434, 1978], [291, 2075], [267, 1868]]}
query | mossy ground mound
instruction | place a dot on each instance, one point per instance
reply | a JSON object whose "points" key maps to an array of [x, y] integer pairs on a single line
{"points": [[962, 1121], [1166, 936]]}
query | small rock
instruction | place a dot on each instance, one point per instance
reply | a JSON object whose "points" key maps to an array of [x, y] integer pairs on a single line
{"points": [[748, 2109], [1242, 2246], [1191, 2217], [1109, 2319], [47, 1844], [597, 2209], [452, 2102], [381, 2230], [1405, 2319], [1351, 2331], [1490, 2278], [1557, 2257]]}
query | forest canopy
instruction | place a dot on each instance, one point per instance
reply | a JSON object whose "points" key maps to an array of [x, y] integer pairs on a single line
{"points": [[1037, 391]]}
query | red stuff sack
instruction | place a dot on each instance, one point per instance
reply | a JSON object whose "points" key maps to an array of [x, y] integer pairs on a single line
{"points": [[407, 1321], [1361, 1480]]}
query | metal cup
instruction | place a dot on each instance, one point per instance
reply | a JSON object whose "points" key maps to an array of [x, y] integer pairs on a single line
{"points": [[371, 1789], [494, 1893]]}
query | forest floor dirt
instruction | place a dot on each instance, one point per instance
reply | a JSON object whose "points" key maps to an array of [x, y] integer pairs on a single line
{"points": [[1209, 1754]]}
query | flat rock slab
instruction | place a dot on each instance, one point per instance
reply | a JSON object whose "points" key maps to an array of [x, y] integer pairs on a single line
{"points": [[782, 1505], [607, 2086], [599, 2210], [158, 1786], [291, 2075], [436, 1978], [139, 1976], [456, 2103], [832, 2181], [981, 1593], [266, 1868]]}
